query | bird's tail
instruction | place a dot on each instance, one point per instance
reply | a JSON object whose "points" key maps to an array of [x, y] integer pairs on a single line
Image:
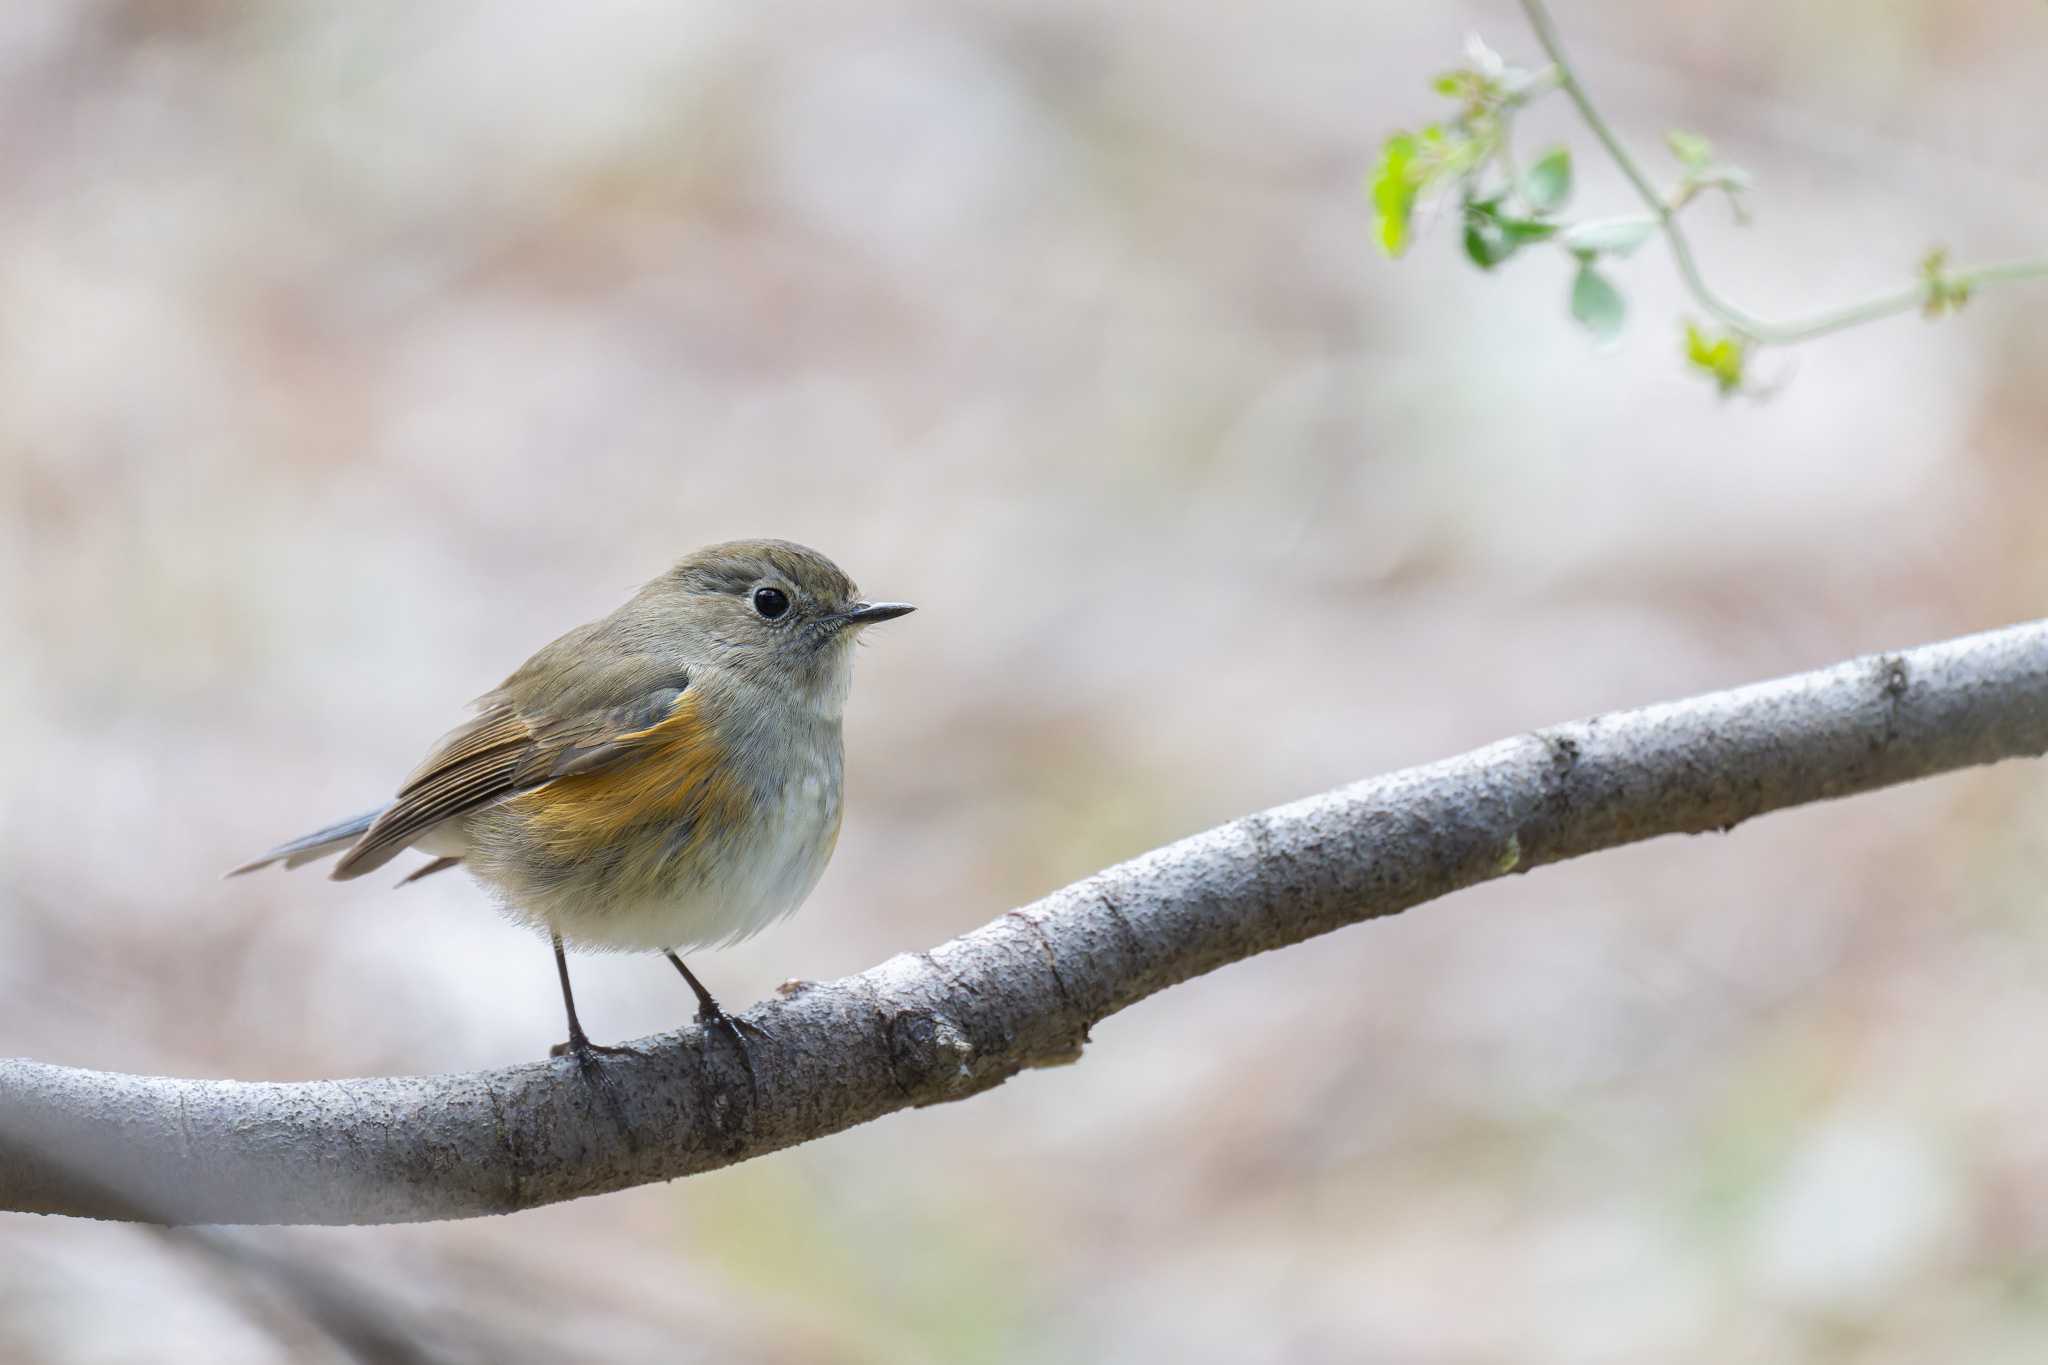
{"points": [[315, 846]]}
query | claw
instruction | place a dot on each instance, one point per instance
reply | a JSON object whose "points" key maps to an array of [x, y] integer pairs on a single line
{"points": [[737, 1029], [734, 1025], [583, 1049], [710, 1016], [589, 1058]]}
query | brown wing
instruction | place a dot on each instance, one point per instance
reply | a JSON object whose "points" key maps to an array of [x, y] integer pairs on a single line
{"points": [[498, 754]]}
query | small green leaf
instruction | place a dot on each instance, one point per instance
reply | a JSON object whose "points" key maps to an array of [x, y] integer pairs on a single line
{"points": [[1945, 292], [1484, 247], [1491, 238], [1608, 236], [1486, 244], [1394, 186], [1451, 83], [1690, 148], [1597, 304], [1720, 358], [1522, 231], [1549, 182]]}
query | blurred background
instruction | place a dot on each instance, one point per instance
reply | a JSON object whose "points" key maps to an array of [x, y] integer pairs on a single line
{"points": [[349, 353]]}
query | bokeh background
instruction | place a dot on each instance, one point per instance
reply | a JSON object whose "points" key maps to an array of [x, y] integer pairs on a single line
{"points": [[348, 353]]}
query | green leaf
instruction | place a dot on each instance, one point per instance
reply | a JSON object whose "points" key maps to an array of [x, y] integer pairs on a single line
{"points": [[1945, 292], [1690, 148], [1720, 358], [1451, 83], [1549, 182], [1395, 183], [1522, 231], [1597, 304], [1484, 246], [1608, 236], [1491, 238]]}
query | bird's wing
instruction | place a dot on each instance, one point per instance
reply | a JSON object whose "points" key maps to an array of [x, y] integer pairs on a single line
{"points": [[502, 752]]}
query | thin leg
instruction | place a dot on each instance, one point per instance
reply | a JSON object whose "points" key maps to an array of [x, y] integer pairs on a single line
{"points": [[578, 1039], [589, 1056], [708, 1012], [579, 1042]]}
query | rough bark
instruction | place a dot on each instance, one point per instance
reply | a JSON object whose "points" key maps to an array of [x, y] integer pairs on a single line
{"points": [[1022, 990]]}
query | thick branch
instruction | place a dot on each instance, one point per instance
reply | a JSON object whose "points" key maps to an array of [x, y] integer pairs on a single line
{"points": [[1021, 991]]}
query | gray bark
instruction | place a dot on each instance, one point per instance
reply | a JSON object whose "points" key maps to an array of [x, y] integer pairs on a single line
{"points": [[1018, 992]]}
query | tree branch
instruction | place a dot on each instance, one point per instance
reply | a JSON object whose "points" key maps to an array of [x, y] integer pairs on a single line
{"points": [[1021, 991]]}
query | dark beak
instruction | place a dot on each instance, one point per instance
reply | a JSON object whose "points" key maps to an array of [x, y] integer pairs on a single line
{"points": [[867, 613]]}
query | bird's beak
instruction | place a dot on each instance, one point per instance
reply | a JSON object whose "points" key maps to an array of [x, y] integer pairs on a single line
{"points": [[867, 613]]}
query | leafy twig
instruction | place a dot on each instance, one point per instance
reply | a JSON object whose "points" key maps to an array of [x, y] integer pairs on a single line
{"points": [[1505, 210], [1939, 289]]}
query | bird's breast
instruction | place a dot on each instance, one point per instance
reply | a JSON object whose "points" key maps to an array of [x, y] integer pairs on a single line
{"points": [[707, 838]]}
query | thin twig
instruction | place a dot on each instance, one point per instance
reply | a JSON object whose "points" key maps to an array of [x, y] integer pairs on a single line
{"points": [[1907, 300]]}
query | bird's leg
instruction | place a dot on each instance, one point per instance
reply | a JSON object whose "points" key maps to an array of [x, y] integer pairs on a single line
{"points": [[589, 1056], [711, 1016], [579, 1043]]}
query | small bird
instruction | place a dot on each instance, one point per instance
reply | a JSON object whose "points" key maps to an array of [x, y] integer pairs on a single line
{"points": [[664, 779]]}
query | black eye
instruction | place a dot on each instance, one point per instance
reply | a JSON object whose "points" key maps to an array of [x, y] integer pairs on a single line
{"points": [[771, 602]]}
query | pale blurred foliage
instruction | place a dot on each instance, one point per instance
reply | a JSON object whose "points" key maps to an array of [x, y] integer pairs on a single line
{"points": [[347, 353]]}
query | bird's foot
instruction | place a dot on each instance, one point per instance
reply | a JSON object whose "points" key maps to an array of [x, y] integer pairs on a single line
{"points": [[713, 1018], [590, 1061], [587, 1052]]}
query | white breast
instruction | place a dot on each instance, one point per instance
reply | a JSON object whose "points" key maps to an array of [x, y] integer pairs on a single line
{"points": [[796, 841]]}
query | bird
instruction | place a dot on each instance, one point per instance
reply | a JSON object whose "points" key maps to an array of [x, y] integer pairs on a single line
{"points": [[664, 779]]}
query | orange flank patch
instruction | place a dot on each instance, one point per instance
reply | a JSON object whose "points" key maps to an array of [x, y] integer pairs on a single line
{"points": [[677, 774]]}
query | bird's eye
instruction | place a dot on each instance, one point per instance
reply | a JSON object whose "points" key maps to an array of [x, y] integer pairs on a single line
{"points": [[771, 602]]}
